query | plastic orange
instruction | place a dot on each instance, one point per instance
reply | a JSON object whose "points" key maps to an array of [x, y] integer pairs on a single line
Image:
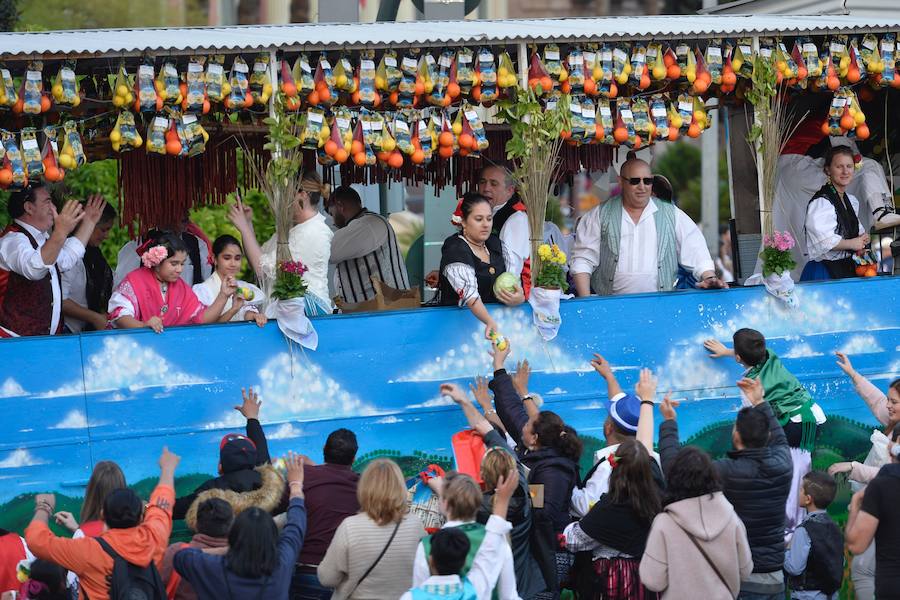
{"points": [[590, 88], [159, 104], [565, 87], [396, 160], [700, 85], [565, 134], [137, 106], [45, 104], [445, 139], [173, 147], [341, 155], [377, 102], [445, 151], [464, 152], [638, 142], [6, 177], [673, 71], [826, 129], [445, 101], [895, 82], [383, 156], [19, 106], [476, 93], [292, 103], [729, 78], [862, 132], [620, 134], [871, 271], [356, 147], [833, 83], [394, 98], [673, 134], [354, 98], [289, 88], [598, 132], [853, 75], [669, 60], [613, 90], [466, 141], [313, 98], [330, 147], [453, 90], [847, 121], [51, 174], [359, 159], [693, 131], [420, 88], [324, 93], [645, 82], [417, 157], [546, 83], [534, 82], [802, 72]]}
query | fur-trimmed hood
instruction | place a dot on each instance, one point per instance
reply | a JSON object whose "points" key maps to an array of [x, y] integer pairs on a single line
{"points": [[267, 497]]}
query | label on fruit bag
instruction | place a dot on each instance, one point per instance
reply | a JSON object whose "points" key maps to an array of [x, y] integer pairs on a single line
{"points": [[714, 51], [471, 115], [145, 71], [886, 46], [463, 57], [170, 70], [588, 112], [342, 122], [5, 74], [684, 50], [605, 111], [686, 107], [188, 119], [67, 74], [29, 144], [390, 61], [590, 57], [197, 68], [377, 125], [33, 75], [366, 126], [551, 104], [869, 43], [658, 111], [810, 48], [747, 50], [575, 108], [260, 67], [837, 48], [576, 59], [409, 62], [551, 55], [160, 123], [315, 117], [429, 59], [55, 146], [619, 54], [241, 67], [606, 55], [765, 52], [652, 52], [486, 57], [215, 69], [367, 65], [445, 60], [626, 114], [401, 126], [325, 64]]}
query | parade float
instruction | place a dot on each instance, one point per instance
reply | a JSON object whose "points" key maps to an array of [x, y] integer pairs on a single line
{"points": [[415, 102]]}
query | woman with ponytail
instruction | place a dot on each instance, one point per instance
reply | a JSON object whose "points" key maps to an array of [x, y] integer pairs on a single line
{"points": [[309, 241]]}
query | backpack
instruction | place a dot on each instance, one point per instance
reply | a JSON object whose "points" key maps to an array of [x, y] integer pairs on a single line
{"points": [[131, 582]]}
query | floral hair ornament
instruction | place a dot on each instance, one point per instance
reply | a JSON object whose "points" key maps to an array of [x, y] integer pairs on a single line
{"points": [[154, 256], [612, 460], [457, 217]]}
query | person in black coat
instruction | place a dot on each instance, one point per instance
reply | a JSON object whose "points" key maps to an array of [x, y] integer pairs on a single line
{"points": [[551, 450], [240, 461], [756, 479]]}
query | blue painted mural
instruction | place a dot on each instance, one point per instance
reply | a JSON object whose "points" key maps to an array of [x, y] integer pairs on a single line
{"points": [[71, 401]]}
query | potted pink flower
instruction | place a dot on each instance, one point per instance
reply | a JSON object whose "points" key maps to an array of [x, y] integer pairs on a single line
{"points": [[777, 263], [288, 304]]}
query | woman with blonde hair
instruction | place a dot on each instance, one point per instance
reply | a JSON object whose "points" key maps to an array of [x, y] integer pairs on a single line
{"points": [[371, 554], [106, 477], [309, 241]]}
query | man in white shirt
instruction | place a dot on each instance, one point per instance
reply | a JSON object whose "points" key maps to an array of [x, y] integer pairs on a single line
{"points": [[635, 243], [87, 286], [510, 219], [364, 245], [32, 258]]}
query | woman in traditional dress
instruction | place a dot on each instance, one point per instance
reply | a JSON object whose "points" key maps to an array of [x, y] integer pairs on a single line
{"points": [[472, 260], [155, 296], [244, 305], [833, 231]]}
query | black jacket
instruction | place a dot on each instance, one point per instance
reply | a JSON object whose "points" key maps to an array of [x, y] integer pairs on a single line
{"points": [[244, 480], [757, 482]]}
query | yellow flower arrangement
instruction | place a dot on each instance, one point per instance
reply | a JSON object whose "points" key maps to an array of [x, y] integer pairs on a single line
{"points": [[551, 274]]}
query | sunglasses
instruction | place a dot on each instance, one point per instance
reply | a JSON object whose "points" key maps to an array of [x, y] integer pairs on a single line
{"points": [[638, 180]]}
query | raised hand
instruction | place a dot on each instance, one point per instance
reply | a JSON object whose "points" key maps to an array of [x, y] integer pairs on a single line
{"points": [[93, 208], [67, 219], [753, 389], [646, 386], [66, 519], [250, 405], [454, 391], [716, 348], [667, 408], [168, 461], [845, 364], [241, 216], [520, 379], [48, 500], [481, 392], [602, 366], [294, 464]]}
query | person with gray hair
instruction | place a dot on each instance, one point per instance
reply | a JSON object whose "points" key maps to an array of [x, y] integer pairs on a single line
{"points": [[635, 243]]}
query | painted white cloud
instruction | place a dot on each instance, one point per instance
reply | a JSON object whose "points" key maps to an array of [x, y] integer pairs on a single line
{"points": [[689, 370], [389, 420], [439, 401], [801, 350], [122, 363], [472, 357], [774, 319], [286, 431], [75, 419], [11, 389], [20, 458], [556, 391], [590, 406], [861, 344]]}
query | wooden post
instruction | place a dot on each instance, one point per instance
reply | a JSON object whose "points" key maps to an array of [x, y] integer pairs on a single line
{"points": [[523, 65]]}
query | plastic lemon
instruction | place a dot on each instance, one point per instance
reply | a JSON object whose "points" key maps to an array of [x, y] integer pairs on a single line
{"points": [[115, 137], [388, 144]]}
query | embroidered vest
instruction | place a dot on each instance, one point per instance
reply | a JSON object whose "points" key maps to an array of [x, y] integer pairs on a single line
{"points": [[610, 216], [464, 591], [26, 307]]}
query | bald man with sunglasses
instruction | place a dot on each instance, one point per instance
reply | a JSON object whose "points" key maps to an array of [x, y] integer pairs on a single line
{"points": [[634, 243]]}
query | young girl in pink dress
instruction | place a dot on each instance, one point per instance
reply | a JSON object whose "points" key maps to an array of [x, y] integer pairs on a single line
{"points": [[155, 296]]}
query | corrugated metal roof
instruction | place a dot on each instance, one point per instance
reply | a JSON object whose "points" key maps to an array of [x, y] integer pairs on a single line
{"points": [[854, 8], [123, 42]]}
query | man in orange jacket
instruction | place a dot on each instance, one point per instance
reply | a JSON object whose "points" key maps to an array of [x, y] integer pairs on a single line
{"points": [[139, 536]]}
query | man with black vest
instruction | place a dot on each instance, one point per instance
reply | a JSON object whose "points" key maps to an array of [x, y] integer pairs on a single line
{"points": [[756, 479], [32, 258], [634, 243], [364, 245]]}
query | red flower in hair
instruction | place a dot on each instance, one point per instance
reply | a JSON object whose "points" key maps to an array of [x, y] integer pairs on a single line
{"points": [[457, 217], [612, 460]]}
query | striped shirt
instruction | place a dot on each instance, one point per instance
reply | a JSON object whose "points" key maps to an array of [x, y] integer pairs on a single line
{"points": [[366, 246]]}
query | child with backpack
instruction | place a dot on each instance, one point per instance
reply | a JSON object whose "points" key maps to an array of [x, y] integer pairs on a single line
{"points": [[815, 559], [792, 404], [449, 554]]}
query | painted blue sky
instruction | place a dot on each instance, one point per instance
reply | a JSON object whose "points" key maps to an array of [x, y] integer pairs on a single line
{"points": [[122, 395]]}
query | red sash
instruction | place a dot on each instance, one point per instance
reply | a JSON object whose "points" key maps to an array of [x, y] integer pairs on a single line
{"points": [[526, 266], [12, 550]]}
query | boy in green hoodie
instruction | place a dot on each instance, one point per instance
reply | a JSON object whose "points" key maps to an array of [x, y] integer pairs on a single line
{"points": [[792, 404]]}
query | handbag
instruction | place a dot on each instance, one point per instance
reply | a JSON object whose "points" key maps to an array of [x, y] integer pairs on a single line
{"points": [[377, 560]]}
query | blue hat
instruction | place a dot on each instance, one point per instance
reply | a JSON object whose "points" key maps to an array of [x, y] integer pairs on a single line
{"points": [[625, 409]]}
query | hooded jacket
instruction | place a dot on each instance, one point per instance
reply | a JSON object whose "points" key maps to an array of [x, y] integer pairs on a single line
{"points": [[756, 481], [86, 558], [201, 541], [673, 565]]}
